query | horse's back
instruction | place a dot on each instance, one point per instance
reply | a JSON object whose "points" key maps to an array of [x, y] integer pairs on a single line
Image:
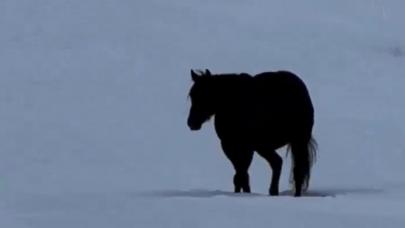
{"points": [[280, 81], [281, 88], [281, 101], [268, 106]]}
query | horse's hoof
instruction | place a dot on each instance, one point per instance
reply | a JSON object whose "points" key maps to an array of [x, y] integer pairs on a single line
{"points": [[273, 192]]}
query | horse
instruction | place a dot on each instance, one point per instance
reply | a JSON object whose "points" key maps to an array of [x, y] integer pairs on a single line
{"points": [[259, 113]]}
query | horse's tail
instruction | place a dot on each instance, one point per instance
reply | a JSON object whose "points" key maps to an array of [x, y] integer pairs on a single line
{"points": [[302, 159]]}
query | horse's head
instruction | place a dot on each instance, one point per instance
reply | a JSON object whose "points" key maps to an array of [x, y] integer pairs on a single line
{"points": [[202, 99]]}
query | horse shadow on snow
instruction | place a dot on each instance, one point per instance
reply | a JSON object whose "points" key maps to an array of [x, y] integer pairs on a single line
{"points": [[205, 193]]}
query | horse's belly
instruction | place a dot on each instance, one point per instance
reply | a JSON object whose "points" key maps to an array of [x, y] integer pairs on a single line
{"points": [[257, 135]]}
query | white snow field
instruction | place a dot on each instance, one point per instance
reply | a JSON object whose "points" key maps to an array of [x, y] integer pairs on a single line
{"points": [[93, 108]]}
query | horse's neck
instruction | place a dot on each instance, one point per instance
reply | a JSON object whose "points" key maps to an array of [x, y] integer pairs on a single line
{"points": [[232, 93]]}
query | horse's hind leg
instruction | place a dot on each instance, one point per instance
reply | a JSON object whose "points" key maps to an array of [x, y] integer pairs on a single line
{"points": [[276, 163], [241, 158]]}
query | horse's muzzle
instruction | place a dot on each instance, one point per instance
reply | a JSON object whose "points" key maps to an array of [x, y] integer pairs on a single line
{"points": [[193, 126]]}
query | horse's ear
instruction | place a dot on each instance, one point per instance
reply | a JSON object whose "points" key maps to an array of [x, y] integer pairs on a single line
{"points": [[207, 72], [194, 76]]}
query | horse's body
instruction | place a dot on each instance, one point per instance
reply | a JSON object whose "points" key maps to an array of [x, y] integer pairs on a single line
{"points": [[260, 113]]}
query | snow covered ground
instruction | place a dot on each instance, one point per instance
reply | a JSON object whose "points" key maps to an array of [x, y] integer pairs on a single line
{"points": [[93, 104]]}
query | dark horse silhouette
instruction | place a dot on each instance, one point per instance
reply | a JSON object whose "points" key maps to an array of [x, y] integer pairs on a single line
{"points": [[260, 113]]}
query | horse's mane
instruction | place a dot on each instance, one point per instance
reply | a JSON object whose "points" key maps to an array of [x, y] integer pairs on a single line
{"points": [[241, 75], [207, 73]]}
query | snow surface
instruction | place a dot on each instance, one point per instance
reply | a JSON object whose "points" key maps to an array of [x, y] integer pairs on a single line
{"points": [[93, 105]]}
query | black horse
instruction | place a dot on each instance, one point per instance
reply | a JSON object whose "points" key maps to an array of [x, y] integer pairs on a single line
{"points": [[260, 113]]}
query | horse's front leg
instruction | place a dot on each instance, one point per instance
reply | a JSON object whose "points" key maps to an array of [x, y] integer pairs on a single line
{"points": [[241, 158]]}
